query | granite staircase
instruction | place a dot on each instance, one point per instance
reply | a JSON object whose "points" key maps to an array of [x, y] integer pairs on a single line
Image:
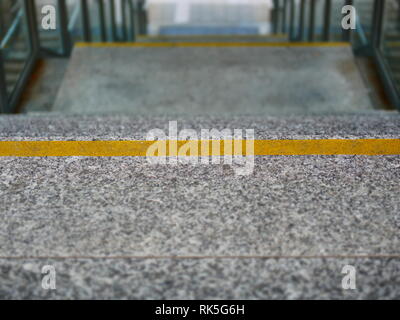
{"points": [[118, 226]]}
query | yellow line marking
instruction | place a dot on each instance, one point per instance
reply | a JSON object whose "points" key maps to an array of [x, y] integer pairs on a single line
{"points": [[216, 36], [392, 44], [370, 147], [208, 44]]}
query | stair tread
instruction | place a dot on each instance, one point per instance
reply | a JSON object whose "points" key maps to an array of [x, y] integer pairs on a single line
{"points": [[210, 38], [103, 203], [55, 125], [172, 79]]}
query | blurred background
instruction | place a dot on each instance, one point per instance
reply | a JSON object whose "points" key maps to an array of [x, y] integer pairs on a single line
{"points": [[25, 45]]}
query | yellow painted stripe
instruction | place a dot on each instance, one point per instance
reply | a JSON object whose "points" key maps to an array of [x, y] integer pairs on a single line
{"points": [[328, 147], [371, 147], [216, 36], [209, 44], [392, 44]]}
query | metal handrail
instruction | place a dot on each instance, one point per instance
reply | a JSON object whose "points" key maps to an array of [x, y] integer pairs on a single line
{"points": [[74, 17], [361, 33], [9, 101], [13, 30], [381, 61]]}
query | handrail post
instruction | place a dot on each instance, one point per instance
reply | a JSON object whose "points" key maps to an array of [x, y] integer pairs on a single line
{"points": [[377, 24], [87, 37], [3, 87], [132, 9], [275, 17], [284, 14], [33, 34], [327, 20], [302, 20], [124, 22], [291, 20], [142, 17], [114, 32], [311, 27], [66, 44], [102, 21]]}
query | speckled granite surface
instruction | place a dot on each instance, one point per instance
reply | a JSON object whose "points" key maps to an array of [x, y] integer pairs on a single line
{"points": [[259, 80], [43, 87], [125, 206], [201, 279], [106, 218], [368, 124]]}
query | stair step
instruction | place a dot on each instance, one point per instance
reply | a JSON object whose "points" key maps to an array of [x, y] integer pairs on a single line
{"points": [[193, 78], [12, 78], [298, 206], [393, 36], [20, 46], [218, 38], [17, 55], [394, 65], [49, 37], [14, 66], [10, 88]]}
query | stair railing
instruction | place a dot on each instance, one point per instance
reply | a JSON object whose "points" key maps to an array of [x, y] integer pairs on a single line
{"points": [[289, 16], [385, 71], [133, 19], [9, 101], [13, 30], [7, 40]]}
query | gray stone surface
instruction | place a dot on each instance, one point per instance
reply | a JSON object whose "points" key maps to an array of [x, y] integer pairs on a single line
{"points": [[215, 38], [306, 205], [212, 80], [122, 228], [369, 124], [200, 279], [372, 80], [42, 90], [290, 206]]}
